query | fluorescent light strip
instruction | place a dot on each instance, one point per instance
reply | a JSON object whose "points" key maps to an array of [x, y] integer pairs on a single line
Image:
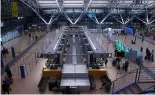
{"points": [[90, 41], [57, 42]]}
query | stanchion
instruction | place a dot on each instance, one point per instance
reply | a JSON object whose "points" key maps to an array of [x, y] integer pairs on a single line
{"points": [[42, 48], [36, 58], [26, 69], [18, 67]]}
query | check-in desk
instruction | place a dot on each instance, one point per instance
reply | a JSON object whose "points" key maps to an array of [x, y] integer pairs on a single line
{"points": [[51, 73], [97, 73]]}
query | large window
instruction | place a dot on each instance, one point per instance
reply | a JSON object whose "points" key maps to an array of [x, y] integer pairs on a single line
{"points": [[10, 35]]}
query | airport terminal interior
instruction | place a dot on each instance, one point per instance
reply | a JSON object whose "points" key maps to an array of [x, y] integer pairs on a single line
{"points": [[77, 46]]}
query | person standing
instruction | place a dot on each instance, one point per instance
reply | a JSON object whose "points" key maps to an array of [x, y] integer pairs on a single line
{"points": [[147, 50], [36, 37], [125, 35], [152, 55], [5, 88], [106, 61], [142, 38], [126, 66], [141, 49], [29, 36], [7, 81], [149, 55], [8, 71]]}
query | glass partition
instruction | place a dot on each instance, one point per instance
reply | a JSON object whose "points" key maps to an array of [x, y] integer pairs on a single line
{"points": [[10, 35]]}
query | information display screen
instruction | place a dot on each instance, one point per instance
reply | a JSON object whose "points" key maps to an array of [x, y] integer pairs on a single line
{"points": [[129, 30]]}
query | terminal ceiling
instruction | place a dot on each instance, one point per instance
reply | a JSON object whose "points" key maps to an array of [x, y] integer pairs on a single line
{"points": [[73, 10]]}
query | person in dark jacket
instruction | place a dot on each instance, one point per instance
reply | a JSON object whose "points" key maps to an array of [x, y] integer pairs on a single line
{"points": [[5, 88], [152, 55], [7, 81], [141, 49], [29, 36], [106, 61], [8, 71], [126, 66], [116, 52], [142, 38], [36, 37], [149, 55]]}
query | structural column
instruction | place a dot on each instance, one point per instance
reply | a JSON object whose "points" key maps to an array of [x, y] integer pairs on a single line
{"points": [[48, 28], [99, 28], [148, 27], [123, 26], [2, 65], [88, 59]]}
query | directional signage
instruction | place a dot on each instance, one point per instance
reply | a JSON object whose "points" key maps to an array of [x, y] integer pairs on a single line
{"points": [[90, 15]]}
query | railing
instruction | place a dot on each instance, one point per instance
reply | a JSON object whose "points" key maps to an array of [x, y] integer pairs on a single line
{"points": [[149, 90], [145, 77], [125, 81], [119, 84]]}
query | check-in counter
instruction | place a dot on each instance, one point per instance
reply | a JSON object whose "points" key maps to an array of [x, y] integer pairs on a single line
{"points": [[51, 73], [97, 73]]}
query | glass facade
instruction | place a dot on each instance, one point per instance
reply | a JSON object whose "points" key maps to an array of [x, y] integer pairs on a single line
{"points": [[9, 35]]}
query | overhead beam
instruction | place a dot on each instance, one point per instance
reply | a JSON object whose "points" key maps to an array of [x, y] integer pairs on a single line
{"points": [[118, 20], [35, 12]]}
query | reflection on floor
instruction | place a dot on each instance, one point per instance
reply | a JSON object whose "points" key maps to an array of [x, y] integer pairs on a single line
{"points": [[29, 85]]}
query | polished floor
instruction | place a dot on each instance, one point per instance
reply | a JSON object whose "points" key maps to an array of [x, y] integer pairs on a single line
{"points": [[29, 85]]}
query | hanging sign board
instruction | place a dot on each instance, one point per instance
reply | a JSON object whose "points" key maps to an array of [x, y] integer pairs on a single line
{"points": [[14, 9]]}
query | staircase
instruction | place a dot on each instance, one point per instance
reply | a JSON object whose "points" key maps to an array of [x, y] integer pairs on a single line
{"points": [[127, 84], [132, 89]]}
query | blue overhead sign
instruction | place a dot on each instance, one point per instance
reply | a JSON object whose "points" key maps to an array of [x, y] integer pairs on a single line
{"points": [[19, 26], [90, 15], [129, 30]]}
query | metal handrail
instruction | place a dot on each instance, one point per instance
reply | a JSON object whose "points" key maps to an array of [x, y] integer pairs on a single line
{"points": [[111, 90], [143, 92]]}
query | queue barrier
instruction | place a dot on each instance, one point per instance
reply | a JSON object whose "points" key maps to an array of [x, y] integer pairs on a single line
{"points": [[97, 73], [51, 73]]}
